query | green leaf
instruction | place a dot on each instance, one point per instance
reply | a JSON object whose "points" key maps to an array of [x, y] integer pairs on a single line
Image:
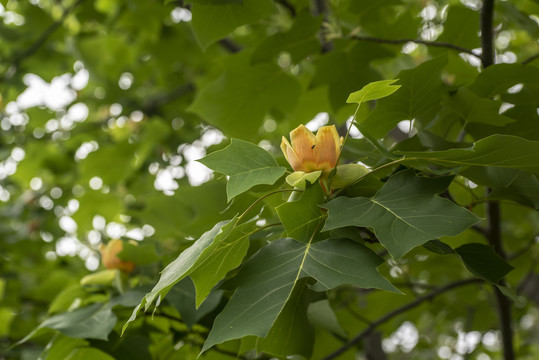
{"points": [[267, 280], [302, 217], [483, 262], [246, 164], [140, 253], [89, 353], [322, 315], [300, 178], [373, 91], [504, 151], [291, 333], [404, 213], [496, 79], [474, 109], [190, 259], [225, 254], [346, 69], [92, 322], [244, 94], [461, 26], [214, 19], [438, 247], [183, 297], [420, 94], [300, 41]]}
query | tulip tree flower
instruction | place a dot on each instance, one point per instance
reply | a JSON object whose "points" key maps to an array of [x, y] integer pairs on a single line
{"points": [[314, 157], [307, 152], [109, 256]]}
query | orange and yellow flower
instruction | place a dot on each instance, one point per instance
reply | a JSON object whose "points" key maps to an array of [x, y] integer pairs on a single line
{"points": [[307, 152], [109, 256]]}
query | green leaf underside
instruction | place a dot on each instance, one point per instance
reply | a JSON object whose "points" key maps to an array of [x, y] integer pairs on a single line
{"points": [[268, 279], [482, 261], [244, 94], [246, 164], [373, 91], [213, 20], [420, 93], [182, 296], [302, 217], [404, 214], [92, 322], [208, 260], [506, 151], [292, 332]]}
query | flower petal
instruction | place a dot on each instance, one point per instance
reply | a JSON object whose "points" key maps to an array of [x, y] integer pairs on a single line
{"points": [[328, 147], [290, 155], [303, 142]]}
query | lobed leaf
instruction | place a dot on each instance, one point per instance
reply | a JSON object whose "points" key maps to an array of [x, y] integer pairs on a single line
{"points": [[404, 213], [268, 279], [246, 164]]}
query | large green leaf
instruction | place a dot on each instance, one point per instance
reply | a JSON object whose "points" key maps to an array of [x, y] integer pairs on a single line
{"points": [[474, 109], [240, 98], [302, 217], [300, 41], [345, 69], [267, 280], [483, 262], [461, 27], [497, 78], [420, 94], [218, 251], [246, 164], [214, 19], [92, 322], [504, 151], [404, 214], [183, 297], [292, 332]]}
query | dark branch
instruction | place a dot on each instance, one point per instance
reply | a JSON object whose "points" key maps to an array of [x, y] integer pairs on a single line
{"points": [[493, 207], [152, 106], [398, 311], [487, 33], [36, 45], [287, 6], [321, 8], [530, 59], [230, 45], [416, 41]]}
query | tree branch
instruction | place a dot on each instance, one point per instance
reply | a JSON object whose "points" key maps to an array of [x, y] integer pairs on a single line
{"points": [[230, 45], [398, 311], [321, 8], [530, 59], [487, 34], [36, 45], [287, 6], [151, 106], [415, 41], [493, 207]]}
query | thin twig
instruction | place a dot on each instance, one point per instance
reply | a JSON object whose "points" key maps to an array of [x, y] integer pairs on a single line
{"points": [[530, 59], [523, 250], [36, 45], [416, 41], [398, 311], [230, 45], [487, 33], [287, 6]]}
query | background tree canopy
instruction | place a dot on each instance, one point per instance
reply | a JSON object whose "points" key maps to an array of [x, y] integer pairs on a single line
{"points": [[425, 248]]}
